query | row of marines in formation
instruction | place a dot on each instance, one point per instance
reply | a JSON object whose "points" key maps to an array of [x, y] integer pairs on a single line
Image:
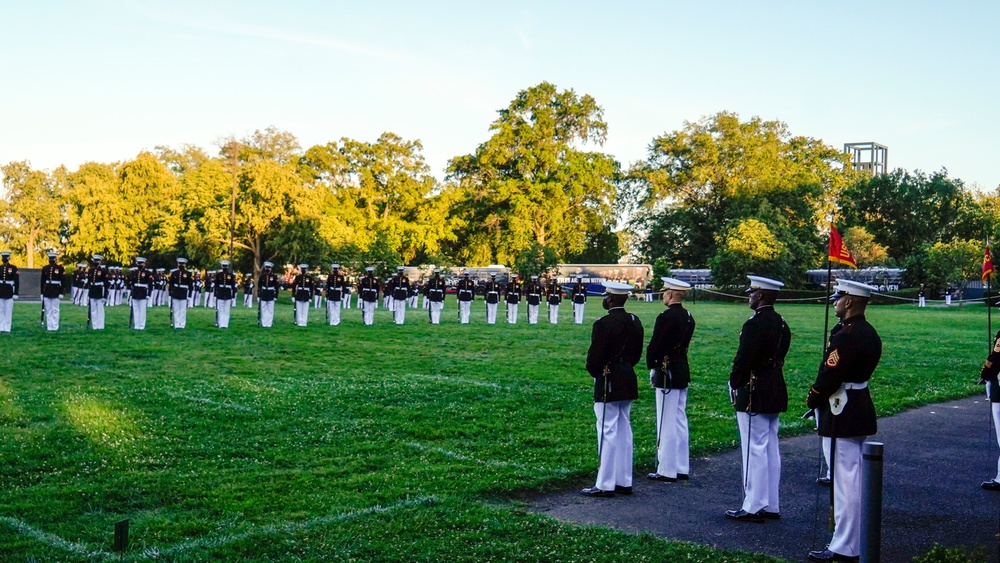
{"points": [[98, 286], [839, 399]]}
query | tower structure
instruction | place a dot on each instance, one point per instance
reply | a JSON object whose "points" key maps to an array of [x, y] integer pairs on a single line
{"points": [[868, 157]]}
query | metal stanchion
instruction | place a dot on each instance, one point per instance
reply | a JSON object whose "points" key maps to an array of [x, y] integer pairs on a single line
{"points": [[871, 502]]}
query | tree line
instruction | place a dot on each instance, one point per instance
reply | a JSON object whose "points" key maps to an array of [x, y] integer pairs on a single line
{"points": [[732, 195]]}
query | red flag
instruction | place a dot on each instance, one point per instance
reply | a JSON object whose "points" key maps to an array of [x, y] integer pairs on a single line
{"points": [[987, 264], [838, 252]]}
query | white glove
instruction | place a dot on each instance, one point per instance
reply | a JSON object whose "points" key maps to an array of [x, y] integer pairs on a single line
{"points": [[652, 376], [15, 297]]}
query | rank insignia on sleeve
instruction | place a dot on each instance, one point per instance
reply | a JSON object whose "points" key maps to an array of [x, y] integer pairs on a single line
{"points": [[833, 359]]}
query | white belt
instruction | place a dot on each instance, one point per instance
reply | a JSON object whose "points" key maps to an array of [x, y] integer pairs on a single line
{"points": [[179, 285], [140, 285], [53, 282], [863, 385], [98, 283]]}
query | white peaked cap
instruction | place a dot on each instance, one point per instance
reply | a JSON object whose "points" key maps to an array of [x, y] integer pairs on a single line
{"points": [[674, 283], [617, 288], [766, 284], [851, 287]]}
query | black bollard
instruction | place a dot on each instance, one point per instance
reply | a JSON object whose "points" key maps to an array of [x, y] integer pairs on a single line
{"points": [[871, 502]]}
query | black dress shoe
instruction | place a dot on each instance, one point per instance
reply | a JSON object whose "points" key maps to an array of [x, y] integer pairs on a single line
{"points": [[744, 516], [769, 515], [658, 477], [991, 485], [620, 490], [682, 477], [823, 481], [827, 555], [595, 492]]}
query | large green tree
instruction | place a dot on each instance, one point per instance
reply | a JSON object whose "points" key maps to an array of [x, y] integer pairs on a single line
{"points": [[378, 199], [531, 182], [699, 188], [905, 210], [30, 210]]}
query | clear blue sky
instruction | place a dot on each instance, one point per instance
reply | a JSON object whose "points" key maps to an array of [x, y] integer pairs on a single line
{"points": [[104, 80]]}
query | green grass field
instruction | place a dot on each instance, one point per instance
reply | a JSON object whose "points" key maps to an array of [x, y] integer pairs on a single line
{"points": [[388, 442]]}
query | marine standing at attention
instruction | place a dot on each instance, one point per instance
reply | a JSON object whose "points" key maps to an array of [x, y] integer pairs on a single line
{"points": [[615, 348]]}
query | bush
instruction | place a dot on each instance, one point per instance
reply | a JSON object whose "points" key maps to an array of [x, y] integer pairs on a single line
{"points": [[941, 554]]}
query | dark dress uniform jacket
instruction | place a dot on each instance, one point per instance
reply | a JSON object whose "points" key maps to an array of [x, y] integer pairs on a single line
{"points": [[303, 287], [615, 343], [369, 286], [435, 289], [533, 292], [671, 337], [400, 288], [513, 292], [52, 281], [140, 281], [990, 370], [466, 290], [10, 281], [579, 293], [492, 292], [764, 342], [268, 286], [851, 357], [97, 282], [225, 285], [334, 287], [180, 283], [554, 292]]}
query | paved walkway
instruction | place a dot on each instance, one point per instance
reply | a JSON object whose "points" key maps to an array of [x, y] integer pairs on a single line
{"points": [[932, 494]]}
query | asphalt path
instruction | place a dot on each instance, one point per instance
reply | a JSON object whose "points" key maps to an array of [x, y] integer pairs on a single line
{"points": [[935, 458]]}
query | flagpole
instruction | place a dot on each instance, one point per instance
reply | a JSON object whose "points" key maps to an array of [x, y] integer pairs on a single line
{"points": [[989, 306]]}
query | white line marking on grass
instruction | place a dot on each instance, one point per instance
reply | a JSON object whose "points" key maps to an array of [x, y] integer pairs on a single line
{"points": [[52, 540], [206, 401], [274, 529], [25, 529], [486, 462], [458, 380]]}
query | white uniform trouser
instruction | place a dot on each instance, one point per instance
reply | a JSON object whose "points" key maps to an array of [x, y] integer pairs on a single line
{"points": [[74, 294], [368, 311], [97, 313], [826, 452], [266, 313], [51, 305], [333, 311], [6, 314], [301, 313], [317, 301], [347, 300], [532, 314], [413, 302], [138, 312], [554, 314], [399, 310], [223, 308], [995, 407], [616, 447], [947, 300], [491, 313], [436, 307], [847, 497], [427, 303], [578, 313], [179, 309], [923, 302], [672, 456], [464, 310], [762, 476], [512, 313], [248, 300]]}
